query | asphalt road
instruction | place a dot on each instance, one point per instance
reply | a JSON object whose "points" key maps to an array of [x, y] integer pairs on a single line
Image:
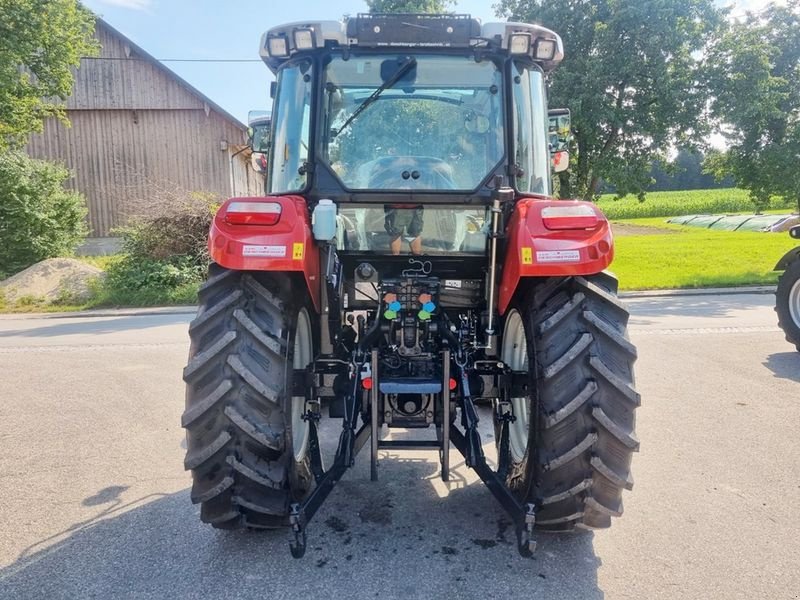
{"points": [[94, 501]]}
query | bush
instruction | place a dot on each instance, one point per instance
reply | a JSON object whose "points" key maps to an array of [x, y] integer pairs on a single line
{"points": [[175, 226], [137, 273], [137, 281], [38, 218], [165, 255]]}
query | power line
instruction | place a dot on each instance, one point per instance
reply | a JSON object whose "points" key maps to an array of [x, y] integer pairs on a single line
{"points": [[208, 60], [197, 60]]}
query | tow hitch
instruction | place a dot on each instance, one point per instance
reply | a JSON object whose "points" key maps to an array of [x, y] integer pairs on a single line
{"points": [[468, 443]]}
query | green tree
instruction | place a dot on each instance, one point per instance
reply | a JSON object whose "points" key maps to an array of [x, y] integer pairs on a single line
{"points": [[754, 71], [409, 6], [38, 218], [630, 78], [40, 42], [685, 172]]}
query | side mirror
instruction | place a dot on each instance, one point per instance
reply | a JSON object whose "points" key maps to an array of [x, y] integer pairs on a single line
{"points": [[259, 136], [259, 162], [795, 232], [559, 161], [559, 129]]}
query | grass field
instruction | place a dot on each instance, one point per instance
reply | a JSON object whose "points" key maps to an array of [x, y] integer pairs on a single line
{"points": [[661, 256], [673, 204], [687, 257]]}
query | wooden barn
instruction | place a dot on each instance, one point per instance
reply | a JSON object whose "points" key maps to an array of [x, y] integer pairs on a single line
{"points": [[141, 134]]}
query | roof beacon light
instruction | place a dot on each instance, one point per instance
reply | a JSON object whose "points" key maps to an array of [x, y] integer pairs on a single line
{"points": [[519, 43], [278, 46], [304, 39], [545, 49]]}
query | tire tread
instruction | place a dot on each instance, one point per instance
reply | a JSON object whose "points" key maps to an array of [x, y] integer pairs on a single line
{"points": [[584, 435], [236, 381]]}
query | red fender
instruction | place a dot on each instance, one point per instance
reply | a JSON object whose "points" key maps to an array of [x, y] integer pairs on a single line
{"points": [[288, 245], [576, 246]]}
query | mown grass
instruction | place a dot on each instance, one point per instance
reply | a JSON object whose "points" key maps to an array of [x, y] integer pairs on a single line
{"points": [[103, 295], [678, 257], [185, 295], [692, 202], [688, 257]]}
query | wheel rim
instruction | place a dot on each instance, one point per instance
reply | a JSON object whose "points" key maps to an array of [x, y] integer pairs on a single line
{"points": [[302, 357], [794, 303], [515, 355]]}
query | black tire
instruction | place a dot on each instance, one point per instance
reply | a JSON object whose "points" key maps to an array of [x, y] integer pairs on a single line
{"points": [[579, 447], [238, 401], [787, 297]]}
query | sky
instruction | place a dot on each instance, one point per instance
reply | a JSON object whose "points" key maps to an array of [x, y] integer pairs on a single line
{"points": [[210, 29], [203, 29]]}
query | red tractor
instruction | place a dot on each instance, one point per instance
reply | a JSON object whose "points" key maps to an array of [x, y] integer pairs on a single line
{"points": [[787, 303], [407, 263]]}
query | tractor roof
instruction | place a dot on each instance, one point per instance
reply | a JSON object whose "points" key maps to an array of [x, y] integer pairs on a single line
{"points": [[411, 31]]}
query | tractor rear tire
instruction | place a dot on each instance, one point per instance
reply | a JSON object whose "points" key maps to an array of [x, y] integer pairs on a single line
{"points": [[787, 302], [574, 462], [248, 464]]}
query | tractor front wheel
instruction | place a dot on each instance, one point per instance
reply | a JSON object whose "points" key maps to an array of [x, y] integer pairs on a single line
{"points": [[247, 441], [787, 303], [572, 437]]}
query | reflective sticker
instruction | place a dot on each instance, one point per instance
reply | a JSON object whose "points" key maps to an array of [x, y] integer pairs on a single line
{"points": [[527, 256], [552, 256], [273, 251], [297, 251]]}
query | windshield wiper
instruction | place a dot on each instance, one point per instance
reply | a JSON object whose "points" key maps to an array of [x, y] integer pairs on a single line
{"points": [[401, 72]]}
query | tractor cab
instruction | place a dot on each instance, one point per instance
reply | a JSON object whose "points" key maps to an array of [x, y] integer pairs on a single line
{"points": [[406, 111]]}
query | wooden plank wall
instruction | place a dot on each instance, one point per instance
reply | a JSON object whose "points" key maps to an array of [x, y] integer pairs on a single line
{"points": [[122, 159], [137, 137], [120, 78]]}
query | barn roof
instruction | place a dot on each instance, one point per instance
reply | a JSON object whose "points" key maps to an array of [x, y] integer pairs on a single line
{"points": [[146, 56]]}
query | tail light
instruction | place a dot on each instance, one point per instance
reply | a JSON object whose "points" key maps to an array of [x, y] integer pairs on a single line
{"points": [[252, 213], [578, 216]]}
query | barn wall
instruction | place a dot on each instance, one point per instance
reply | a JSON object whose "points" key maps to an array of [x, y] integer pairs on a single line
{"points": [[121, 78], [122, 160], [247, 182], [140, 135]]}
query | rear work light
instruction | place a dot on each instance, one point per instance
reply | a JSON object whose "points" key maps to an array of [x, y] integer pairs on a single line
{"points": [[545, 49], [304, 39], [253, 213], [278, 46], [519, 43], [579, 216]]}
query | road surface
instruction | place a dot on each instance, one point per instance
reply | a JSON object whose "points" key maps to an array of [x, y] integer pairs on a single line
{"points": [[95, 501]]}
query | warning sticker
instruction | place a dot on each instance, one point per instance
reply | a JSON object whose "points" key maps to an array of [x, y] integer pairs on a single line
{"points": [[527, 259], [556, 256], [273, 251], [297, 251]]}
